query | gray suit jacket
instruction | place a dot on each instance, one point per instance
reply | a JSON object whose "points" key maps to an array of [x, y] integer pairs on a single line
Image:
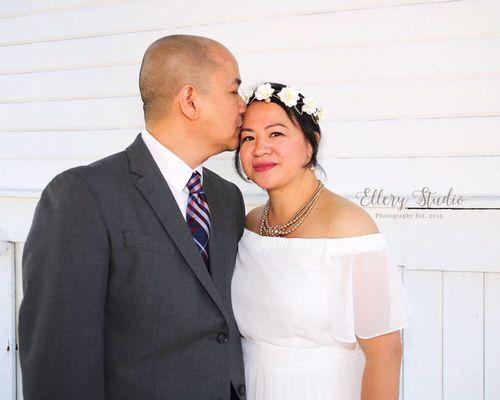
{"points": [[118, 303]]}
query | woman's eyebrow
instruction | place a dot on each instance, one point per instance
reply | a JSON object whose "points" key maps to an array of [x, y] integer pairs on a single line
{"points": [[267, 127], [276, 124]]}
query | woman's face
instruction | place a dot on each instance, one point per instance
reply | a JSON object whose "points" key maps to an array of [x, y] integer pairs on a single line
{"points": [[273, 151]]}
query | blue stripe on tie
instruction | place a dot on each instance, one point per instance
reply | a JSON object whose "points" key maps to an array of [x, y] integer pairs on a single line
{"points": [[198, 216]]}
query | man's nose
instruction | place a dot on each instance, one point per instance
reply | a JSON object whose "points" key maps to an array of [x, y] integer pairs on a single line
{"points": [[242, 107]]}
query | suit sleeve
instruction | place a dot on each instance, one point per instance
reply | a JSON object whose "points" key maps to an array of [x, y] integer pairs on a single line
{"points": [[65, 272], [242, 214]]}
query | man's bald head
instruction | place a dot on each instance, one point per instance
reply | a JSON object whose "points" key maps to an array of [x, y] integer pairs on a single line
{"points": [[172, 62]]}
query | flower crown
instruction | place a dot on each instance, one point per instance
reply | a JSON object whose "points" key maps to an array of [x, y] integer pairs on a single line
{"points": [[288, 95]]}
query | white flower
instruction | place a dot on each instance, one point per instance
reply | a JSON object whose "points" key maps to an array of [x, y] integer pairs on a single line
{"points": [[245, 93], [289, 96], [309, 106], [320, 114], [264, 91]]}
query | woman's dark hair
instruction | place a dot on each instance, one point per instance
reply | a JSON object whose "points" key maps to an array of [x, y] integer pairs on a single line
{"points": [[307, 124]]}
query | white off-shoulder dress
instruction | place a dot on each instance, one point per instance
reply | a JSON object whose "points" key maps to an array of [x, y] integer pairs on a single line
{"points": [[300, 303]]}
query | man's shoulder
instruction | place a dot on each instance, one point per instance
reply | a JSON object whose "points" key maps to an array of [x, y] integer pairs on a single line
{"points": [[219, 181], [112, 162], [99, 172]]}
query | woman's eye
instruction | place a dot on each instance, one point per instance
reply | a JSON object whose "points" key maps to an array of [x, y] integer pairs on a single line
{"points": [[274, 134], [246, 139]]}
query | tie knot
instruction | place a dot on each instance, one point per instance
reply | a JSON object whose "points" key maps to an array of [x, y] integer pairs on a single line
{"points": [[194, 184]]}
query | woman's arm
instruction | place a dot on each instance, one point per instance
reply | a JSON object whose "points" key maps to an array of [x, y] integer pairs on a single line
{"points": [[382, 368], [372, 279]]}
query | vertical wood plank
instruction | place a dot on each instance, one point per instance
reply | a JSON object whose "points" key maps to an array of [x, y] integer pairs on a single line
{"points": [[19, 296], [7, 323], [422, 362], [463, 320], [492, 336], [401, 373]]}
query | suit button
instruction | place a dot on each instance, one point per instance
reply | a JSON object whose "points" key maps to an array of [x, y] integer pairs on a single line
{"points": [[241, 390], [222, 338]]}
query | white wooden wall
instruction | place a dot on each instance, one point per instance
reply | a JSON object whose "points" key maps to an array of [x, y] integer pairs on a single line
{"points": [[412, 91]]}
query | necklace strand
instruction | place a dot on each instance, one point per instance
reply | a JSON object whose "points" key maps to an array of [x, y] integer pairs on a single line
{"points": [[297, 219]]}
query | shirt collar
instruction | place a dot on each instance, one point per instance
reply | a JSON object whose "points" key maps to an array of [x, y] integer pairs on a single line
{"points": [[175, 171]]}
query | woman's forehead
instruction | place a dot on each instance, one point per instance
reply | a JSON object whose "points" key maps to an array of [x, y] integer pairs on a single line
{"points": [[261, 111]]}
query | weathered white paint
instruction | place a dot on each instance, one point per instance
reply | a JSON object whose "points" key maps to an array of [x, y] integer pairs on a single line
{"points": [[455, 58], [470, 176], [76, 22], [16, 215], [427, 137], [19, 296], [463, 336], [140, 22], [491, 335], [347, 101], [7, 323], [423, 353]]}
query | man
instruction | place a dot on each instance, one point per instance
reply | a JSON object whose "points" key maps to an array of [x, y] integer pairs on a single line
{"points": [[127, 266]]}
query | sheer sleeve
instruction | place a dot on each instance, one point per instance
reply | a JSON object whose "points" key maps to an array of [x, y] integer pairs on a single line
{"points": [[370, 297], [380, 303]]}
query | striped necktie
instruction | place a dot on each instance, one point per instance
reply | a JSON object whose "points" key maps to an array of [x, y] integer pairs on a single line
{"points": [[198, 216]]}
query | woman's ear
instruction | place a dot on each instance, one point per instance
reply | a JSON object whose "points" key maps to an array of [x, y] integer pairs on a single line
{"points": [[310, 147], [187, 98], [318, 137], [309, 152]]}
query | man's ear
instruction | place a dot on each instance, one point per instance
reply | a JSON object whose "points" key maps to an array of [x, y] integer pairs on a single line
{"points": [[188, 102]]}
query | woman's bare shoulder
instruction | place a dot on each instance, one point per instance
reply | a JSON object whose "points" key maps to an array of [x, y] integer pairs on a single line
{"points": [[253, 219], [344, 218]]}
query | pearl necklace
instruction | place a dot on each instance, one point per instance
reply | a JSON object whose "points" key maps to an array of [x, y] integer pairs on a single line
{"points": [[297, 219]]}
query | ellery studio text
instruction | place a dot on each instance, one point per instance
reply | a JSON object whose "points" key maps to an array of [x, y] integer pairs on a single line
{"points": [[424, 198]]}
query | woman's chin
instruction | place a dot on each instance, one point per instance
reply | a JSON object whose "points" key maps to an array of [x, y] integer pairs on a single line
{"points": [[266, 184]]}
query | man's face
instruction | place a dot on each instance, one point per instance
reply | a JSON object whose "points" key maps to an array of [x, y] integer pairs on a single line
{"points": [[223, 107]]}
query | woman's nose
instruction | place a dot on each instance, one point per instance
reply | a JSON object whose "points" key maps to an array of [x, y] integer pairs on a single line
{"points": [[261, 148]]}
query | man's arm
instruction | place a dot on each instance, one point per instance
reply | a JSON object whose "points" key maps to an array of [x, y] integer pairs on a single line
{"points": [[241, 211], [65, 272]]}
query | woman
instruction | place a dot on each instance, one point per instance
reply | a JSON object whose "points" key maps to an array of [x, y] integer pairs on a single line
{"points": [[317, 299]]}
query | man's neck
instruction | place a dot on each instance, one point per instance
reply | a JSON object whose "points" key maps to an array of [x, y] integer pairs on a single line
{"points": [[179, 143]]}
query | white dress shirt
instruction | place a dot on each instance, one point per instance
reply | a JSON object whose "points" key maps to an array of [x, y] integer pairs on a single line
{"points": [[175, 171]]}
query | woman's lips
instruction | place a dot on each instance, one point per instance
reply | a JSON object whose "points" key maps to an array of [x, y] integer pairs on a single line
{"points": [[261, 167]]}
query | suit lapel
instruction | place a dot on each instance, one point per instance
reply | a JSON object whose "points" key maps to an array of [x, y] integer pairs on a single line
{"points": [[216, 244], [157, 193]]}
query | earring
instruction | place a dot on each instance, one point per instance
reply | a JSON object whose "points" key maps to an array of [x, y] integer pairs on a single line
{"points": [[312, 167]]}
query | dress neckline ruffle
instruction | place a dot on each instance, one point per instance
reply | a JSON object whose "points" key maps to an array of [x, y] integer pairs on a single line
{"points": [[372, 241]]}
